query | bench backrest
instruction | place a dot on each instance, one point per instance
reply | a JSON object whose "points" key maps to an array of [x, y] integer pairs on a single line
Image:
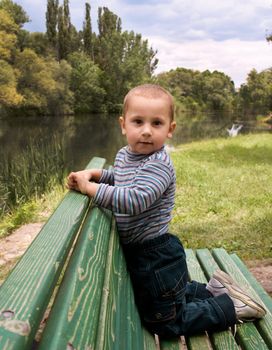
{"points": [[25, 294]]}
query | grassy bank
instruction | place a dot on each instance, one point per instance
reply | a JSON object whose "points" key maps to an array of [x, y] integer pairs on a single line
{"points": [[224, 195], [28, 179], [35, 210]]}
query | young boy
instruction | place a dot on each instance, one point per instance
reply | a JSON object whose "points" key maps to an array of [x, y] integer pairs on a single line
{"points": [[140, 191]]}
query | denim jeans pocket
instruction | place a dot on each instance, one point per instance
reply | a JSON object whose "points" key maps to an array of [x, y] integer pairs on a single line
{"points": [[159, 311], [172, 278]]}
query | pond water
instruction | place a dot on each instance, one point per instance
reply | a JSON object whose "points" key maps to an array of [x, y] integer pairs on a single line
{"points": [[96, 135]]}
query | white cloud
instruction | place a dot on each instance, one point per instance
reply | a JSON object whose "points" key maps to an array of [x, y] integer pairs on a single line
{"points": [[234, 57]]}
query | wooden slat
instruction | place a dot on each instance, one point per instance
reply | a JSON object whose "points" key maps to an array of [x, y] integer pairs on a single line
{"points": [[105, 333], [121, 306], [149, 340], [195, 273], [248, 329], [171, 344], [27, 290], [209, 265], [220, 340], [75, 313], [266, 299]]}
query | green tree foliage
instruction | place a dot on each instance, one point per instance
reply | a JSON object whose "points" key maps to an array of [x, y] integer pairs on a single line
{"points": [[195, 90], [9, 97], [86, 81], [87, 31], [52, 21], [43, 83], [8, 35], [256, 95], [124, 57], [64, 31], [36, 41], [16, 12]]}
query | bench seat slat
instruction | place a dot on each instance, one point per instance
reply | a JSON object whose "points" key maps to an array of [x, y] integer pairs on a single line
{"points": [[210, 262], [220, 340], [265, 324], [266, 299]]}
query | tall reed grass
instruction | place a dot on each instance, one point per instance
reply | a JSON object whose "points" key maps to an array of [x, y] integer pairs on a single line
{"points": [[28, 175]]}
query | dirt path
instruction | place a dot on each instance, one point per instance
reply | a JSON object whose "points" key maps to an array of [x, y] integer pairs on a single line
{"points": [[13, 246]]}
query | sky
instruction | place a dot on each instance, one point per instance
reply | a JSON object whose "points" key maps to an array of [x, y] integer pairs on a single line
{"points": [[227, 35]]}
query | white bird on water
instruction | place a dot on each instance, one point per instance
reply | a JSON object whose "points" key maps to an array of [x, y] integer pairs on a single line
{"points": [[234, 130]]}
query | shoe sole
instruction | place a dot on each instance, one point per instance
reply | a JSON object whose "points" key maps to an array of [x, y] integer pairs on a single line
{"points": [[236, 292]]}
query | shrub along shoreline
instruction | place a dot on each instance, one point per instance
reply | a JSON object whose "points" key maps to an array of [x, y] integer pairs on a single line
{"points": [[223, 198]]}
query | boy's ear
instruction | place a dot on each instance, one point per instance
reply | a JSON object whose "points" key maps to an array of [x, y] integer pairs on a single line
{"points": [[122, 124], [171, 129]]}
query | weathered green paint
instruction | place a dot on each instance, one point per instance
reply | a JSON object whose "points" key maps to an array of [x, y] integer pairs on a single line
{"points": [[27, 290], [219, 258], [198, 272], [170, 344], [264, 296], [264, 325], [75, 315]]}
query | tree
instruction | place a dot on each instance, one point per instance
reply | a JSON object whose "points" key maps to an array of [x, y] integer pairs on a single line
{"points": [[66, 32], [124, 57], [86, 79], [52, 21], [16, 12], [36, 41], [8, 35], [255, 97], [194, 90], [87, 31], [9, 97], [44, 83]]}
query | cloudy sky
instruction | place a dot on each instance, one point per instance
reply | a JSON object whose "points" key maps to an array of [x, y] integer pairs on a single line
{"points": [[226, 35]]}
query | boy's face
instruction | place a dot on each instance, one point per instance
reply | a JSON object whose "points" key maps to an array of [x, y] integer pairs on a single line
{"points": [[147, 123]]}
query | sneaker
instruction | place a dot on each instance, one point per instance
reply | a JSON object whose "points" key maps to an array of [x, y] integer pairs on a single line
{"points": [[219, 282], [245, 307]]}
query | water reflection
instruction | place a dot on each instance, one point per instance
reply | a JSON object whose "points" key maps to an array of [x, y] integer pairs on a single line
{"points": [[82, 136], [96, 135]]}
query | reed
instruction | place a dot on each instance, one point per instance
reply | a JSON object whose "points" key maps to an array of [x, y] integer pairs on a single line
{"points": [[28, 175]]}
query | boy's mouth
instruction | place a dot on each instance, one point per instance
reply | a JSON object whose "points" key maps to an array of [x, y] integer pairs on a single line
{"points": [[146, 142]]}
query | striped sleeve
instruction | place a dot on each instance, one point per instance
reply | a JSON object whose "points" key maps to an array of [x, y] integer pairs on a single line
{"points": [[148, 186], [107, 177]]}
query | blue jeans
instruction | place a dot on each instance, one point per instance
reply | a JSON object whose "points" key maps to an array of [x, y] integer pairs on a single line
{"points": [[168, 304]]}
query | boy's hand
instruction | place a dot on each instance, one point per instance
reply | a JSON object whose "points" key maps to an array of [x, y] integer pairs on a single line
{"points": [[79, 181]]}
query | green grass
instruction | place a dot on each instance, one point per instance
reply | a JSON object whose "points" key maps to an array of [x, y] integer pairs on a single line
{"points": [[224, 195], [37, 209]]}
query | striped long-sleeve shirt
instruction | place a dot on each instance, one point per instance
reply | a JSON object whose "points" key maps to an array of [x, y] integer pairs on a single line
{"points": [[140, 191]]}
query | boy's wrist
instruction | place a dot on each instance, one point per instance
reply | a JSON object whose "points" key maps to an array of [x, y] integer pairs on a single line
{"points": [[95, 174], [91, 189]]}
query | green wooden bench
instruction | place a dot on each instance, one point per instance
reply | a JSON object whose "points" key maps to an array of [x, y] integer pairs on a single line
{"points": [[76, 268]]}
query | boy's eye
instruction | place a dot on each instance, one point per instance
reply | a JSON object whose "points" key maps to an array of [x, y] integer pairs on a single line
{"points": [[157, 123], [137, 121]]}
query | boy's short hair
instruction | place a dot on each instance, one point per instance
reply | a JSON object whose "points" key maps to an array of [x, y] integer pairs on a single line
{"points": [[151, 91]]}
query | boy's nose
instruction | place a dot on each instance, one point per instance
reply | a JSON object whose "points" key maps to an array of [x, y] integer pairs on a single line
{"points": [[146, 130]]}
